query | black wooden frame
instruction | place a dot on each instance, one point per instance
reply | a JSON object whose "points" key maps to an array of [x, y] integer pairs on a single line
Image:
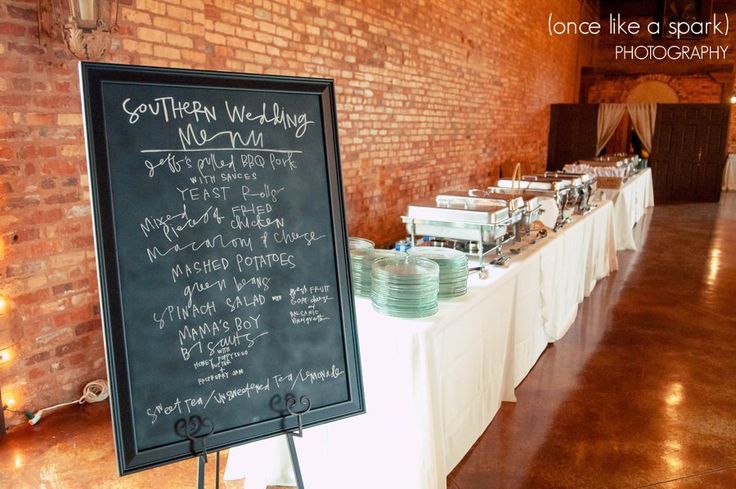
{"points": [[92, 77]]}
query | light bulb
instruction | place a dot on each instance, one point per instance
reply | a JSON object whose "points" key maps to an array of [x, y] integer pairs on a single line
{"points": [[733, 99], [4, 356], [3, 304], [10, 402]]}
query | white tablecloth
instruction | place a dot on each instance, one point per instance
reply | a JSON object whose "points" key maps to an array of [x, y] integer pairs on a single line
{"points": [[432, 386], [729, 174], [629, 205]]}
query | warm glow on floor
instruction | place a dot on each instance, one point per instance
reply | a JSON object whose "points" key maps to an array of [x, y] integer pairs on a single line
{"points": [[674, 394], [673, 462], [671, 455], [713, 265]]}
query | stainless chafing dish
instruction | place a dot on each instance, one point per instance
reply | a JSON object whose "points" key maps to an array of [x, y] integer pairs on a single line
{"points": [[481, 225], [579, 189], [514, 204], [529, 205], [535, 185], [589, 184], [626, 164], [559, 190]]}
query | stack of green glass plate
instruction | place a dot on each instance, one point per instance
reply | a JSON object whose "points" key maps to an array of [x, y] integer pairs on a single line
{"points": [[405, 286], [361, 264], [360, 243], [453, 269]]}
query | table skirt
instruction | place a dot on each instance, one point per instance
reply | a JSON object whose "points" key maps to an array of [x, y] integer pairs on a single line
{"points": [[432, 386]]}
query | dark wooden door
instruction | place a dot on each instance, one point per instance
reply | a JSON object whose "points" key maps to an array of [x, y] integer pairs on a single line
{"points": [[572, 134], [689, 152]]}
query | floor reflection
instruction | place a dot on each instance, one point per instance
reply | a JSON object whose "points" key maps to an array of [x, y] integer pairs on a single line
{"points": [[639, 392]]}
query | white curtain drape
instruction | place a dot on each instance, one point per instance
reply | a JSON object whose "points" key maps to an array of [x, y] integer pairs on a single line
{"points": [[609, 116], [643, 117]]}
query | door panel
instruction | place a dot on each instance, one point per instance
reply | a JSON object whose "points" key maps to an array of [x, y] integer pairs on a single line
{"points": [[689, 151], [572, 134], [684, 171]]}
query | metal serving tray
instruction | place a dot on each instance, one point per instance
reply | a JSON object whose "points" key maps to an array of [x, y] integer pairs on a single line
{"points": [[486, 223], [574, 182], [586, 189], [581, 190], [585, 178], [513, 202], [560, 192], [617, 161], [528, 204], [546, 185], [473, 198], [629, 162]]}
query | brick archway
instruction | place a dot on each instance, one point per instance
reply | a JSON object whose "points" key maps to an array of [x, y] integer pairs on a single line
{"points": [[665, 79]]}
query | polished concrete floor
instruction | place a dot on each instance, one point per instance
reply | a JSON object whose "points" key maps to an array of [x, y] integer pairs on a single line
{"points": [[642, 390], [640, 393]]}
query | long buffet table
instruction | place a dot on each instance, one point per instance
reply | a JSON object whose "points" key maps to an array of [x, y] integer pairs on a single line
{"points": [[432, 386], [629, 205]]}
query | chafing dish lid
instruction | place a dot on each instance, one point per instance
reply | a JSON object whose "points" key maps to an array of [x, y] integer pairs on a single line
{"points": [[529, 198], [468, 202], [584, 177], [461, 201], [513, 202], [548, 185], [617, 162], [473, 212], [572, 181]]}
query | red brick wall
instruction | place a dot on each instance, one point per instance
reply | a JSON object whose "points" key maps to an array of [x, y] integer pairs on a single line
{"points": [[429, 98], [690, 89]]}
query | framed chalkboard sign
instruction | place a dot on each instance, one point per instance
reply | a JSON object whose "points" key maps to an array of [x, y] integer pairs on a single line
{"points": [[222, 255]]}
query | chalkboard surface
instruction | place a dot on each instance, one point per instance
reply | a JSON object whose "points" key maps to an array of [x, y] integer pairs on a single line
{"points": [[222, 255]]}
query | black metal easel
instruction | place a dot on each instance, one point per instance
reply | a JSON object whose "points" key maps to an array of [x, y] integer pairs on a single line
{"points": [[291, 403], [197, 428]]}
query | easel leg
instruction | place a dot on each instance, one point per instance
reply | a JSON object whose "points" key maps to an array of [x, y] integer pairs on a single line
{"points": [[200, 472], [217, 471], [295, 461]]}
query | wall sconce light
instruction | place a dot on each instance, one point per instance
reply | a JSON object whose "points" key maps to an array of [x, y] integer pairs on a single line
{"points": [[733, 99], [6, 356], [85, 25]]}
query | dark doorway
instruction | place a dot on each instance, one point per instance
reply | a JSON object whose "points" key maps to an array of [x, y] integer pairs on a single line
{"points": [[689, 152], [572, 134]]}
